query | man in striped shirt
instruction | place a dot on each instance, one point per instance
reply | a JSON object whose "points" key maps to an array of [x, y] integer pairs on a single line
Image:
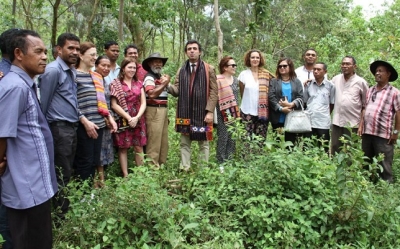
{"points": [[381, 109], [157, 110]]}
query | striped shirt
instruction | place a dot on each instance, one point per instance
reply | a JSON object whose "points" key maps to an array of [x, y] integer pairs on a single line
{"points": [[150, 82], [380, 110], [87, 99]]}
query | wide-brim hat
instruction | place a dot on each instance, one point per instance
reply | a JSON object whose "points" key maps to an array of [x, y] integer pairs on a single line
{"points": [[145, 63], [393, 73]]}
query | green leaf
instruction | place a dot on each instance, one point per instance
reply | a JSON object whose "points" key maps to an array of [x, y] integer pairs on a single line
{"points": [[190, 226]]}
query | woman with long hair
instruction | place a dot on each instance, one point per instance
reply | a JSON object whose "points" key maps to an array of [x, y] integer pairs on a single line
{"points": [[227, 108], [128, 100], [285, 94], [254, 83], [102, 66], [93, 110]]}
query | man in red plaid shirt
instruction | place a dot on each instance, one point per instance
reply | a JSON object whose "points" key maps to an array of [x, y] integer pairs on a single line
{"points": [[382, 108]]}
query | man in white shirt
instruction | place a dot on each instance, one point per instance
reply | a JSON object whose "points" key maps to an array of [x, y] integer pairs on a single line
{"points": [[305, 72]]}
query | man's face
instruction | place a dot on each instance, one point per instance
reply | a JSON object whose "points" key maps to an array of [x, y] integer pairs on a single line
{"points": [[310, 57], [112, 52], [33, 62], [69, 53], [156, 65], [319, 71], [348, 67], [193, 52], [382, 75], [132, 53]]}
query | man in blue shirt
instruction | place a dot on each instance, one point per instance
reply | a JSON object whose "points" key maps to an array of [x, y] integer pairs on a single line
{"points": [[60, 106], [29, 181]]}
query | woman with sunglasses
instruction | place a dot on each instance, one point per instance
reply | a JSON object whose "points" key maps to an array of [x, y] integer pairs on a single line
{"points": [[254, 84], [227, 108], [285, 94]]}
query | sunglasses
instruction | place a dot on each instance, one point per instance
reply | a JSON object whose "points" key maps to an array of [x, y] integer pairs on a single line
{"points": [[232, 65], [282, 66]]}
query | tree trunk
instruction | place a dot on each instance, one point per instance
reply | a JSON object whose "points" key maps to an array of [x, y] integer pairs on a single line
{"points": [[90, 21], [121, 21], [14, 7], [220, 35], [54, 23]]}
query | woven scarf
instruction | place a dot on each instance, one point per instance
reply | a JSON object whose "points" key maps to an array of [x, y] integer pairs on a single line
{"points": [[192, 101], [263, 84], [101, 98], [117, 92], [227, 100]]}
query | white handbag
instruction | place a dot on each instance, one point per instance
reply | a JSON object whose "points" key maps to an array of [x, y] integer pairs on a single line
{"points": [[298, 121]]}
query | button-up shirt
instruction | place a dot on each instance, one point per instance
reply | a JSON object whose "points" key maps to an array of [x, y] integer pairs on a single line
{"points": [[380, 110], [29, 179], [350, 96], [318, 99], [112, 75], [58, 92]]}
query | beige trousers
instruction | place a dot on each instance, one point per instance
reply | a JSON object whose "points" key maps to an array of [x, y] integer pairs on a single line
{"points": [[157, 134], [186, 151]]}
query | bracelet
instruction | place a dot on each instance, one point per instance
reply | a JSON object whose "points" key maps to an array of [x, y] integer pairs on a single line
{"points": [[280, 108]]}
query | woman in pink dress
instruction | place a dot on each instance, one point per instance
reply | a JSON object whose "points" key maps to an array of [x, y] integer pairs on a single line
{"points": [[128, 100]]}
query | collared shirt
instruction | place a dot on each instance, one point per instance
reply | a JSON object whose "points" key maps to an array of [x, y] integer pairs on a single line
{"points": [[58, 92], [380, 110], [29, 179], [350, 96], [5, 65], [150, 82], [112, 75], [318, 99], [303, 74]]}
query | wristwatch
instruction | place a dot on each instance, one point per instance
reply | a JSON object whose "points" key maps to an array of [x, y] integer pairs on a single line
{"points": [[395, 132]]}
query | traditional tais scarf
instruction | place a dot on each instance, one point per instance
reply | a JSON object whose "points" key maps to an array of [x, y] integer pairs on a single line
{"points": [[227, 101], [192, 102], [264, 77], [101, 98]]}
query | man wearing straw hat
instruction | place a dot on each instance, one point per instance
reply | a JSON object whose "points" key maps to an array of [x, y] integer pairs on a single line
{"points": [[381, 109], [157, 108]]}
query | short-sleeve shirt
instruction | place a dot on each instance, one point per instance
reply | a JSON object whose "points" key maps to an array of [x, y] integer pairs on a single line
{"points": [[250, 97], [150, 83], [29, 179], [380, 111], [350, 97], [318, 99]]}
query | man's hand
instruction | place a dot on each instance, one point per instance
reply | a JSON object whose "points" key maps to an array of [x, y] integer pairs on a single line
{"points": [[3, 166], [393, 139], [209, 117]]}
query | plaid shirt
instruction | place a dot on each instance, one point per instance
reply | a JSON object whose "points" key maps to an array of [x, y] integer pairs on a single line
{"points": [[380, 110]]}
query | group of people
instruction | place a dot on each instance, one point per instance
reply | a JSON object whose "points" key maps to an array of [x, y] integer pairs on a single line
{"points": [[86, 104]]}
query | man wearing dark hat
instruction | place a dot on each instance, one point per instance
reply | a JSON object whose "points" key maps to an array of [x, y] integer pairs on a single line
{"points": [[157, 108], [381, 109]]}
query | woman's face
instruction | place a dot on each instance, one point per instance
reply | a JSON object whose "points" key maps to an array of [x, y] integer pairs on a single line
{"points": [[254, 59], [130, 70], [103, 67], [230, 67], [89, 57], [283, 68]]}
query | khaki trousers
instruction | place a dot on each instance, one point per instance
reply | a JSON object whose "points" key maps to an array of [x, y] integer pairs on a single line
{"points": [[157, 134], [186, 151]]}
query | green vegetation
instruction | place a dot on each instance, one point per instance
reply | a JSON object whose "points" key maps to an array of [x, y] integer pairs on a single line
{"points": [[268, 197]]}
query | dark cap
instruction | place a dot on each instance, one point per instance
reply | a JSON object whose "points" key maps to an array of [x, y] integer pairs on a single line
{"points": [[156, 55], [393, 73]]}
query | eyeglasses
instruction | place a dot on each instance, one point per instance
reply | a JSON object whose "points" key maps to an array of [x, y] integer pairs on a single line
{"points": [[232, 65], [312, 55], [282, 66]]}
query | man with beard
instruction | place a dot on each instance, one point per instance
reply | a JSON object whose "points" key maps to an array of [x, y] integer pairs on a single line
{"points": [[60, 106], [111, 49], [197, 92], [305, 72], [157, 109], [381, 109], [29, 181], [350, 92], [131, 51]]}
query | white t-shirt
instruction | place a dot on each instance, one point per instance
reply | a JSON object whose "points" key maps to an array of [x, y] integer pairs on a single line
{"points": [[249, 103]]}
